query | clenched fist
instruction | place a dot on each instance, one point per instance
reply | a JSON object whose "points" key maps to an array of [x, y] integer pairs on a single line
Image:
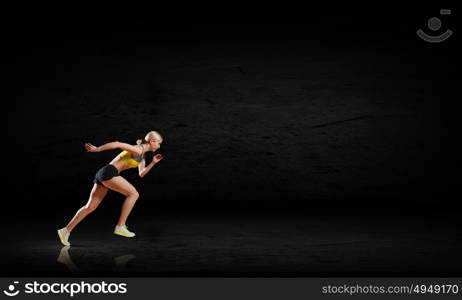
{"points": [[156, 158]]}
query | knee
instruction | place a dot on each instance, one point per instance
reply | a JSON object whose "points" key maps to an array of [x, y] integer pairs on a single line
{"points": [[134, 195], [90, 208]]}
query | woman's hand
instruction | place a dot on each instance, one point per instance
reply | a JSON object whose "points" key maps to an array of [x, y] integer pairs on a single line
{"points": [[156, 158], [91, 148]]}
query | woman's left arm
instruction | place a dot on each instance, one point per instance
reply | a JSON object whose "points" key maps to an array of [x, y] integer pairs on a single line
{"points": [[143, 170]]}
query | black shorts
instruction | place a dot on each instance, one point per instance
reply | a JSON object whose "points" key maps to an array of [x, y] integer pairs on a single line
{"points": [[105, 173]]}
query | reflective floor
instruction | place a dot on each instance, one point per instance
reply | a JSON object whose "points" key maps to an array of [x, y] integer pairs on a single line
{"points": [[245, 246]]}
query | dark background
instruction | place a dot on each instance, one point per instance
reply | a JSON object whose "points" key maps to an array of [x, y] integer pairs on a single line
{"points": [[293, 111], [347, 107]]}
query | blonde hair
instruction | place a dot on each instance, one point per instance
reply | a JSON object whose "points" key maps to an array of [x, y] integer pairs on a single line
{"points": [[150, 136]]}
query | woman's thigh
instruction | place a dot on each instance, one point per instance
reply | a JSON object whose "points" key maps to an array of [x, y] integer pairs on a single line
{"points": [[120, 185]]}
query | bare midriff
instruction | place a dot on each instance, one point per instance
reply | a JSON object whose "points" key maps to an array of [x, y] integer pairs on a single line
{"points": [[119, 164]]}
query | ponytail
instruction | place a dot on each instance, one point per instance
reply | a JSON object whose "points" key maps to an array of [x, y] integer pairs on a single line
{"points": [[139, 142]]}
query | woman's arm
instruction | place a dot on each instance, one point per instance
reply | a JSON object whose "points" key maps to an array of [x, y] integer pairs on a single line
{"points": [[114, 145], [145, 170]]}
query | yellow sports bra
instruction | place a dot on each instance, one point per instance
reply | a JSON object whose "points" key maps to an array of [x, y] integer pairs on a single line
{"points": [[129, 159]]}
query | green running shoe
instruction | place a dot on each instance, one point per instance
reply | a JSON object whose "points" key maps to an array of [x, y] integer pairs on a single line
{"points": [[123, 231], [64, 236]]}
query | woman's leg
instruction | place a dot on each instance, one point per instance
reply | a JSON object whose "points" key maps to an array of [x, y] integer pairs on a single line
{"points": [[121, 185], [97, 195]]}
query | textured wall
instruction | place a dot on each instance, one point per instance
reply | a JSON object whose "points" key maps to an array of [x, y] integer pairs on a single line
{"points": [[252, 117]]}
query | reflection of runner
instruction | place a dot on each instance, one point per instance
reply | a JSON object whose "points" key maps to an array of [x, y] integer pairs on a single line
{"points": [[121, 261], [108, 178], [64, 258]]}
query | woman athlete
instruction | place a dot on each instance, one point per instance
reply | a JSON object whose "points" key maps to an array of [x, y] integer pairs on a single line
{"points": [[108, 178]]}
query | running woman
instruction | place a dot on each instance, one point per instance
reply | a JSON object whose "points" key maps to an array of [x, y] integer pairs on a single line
{"points": [[108, 178]]}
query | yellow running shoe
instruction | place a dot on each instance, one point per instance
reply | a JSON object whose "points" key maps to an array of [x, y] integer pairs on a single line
{"points": [[64, 236], [123, 231]]}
